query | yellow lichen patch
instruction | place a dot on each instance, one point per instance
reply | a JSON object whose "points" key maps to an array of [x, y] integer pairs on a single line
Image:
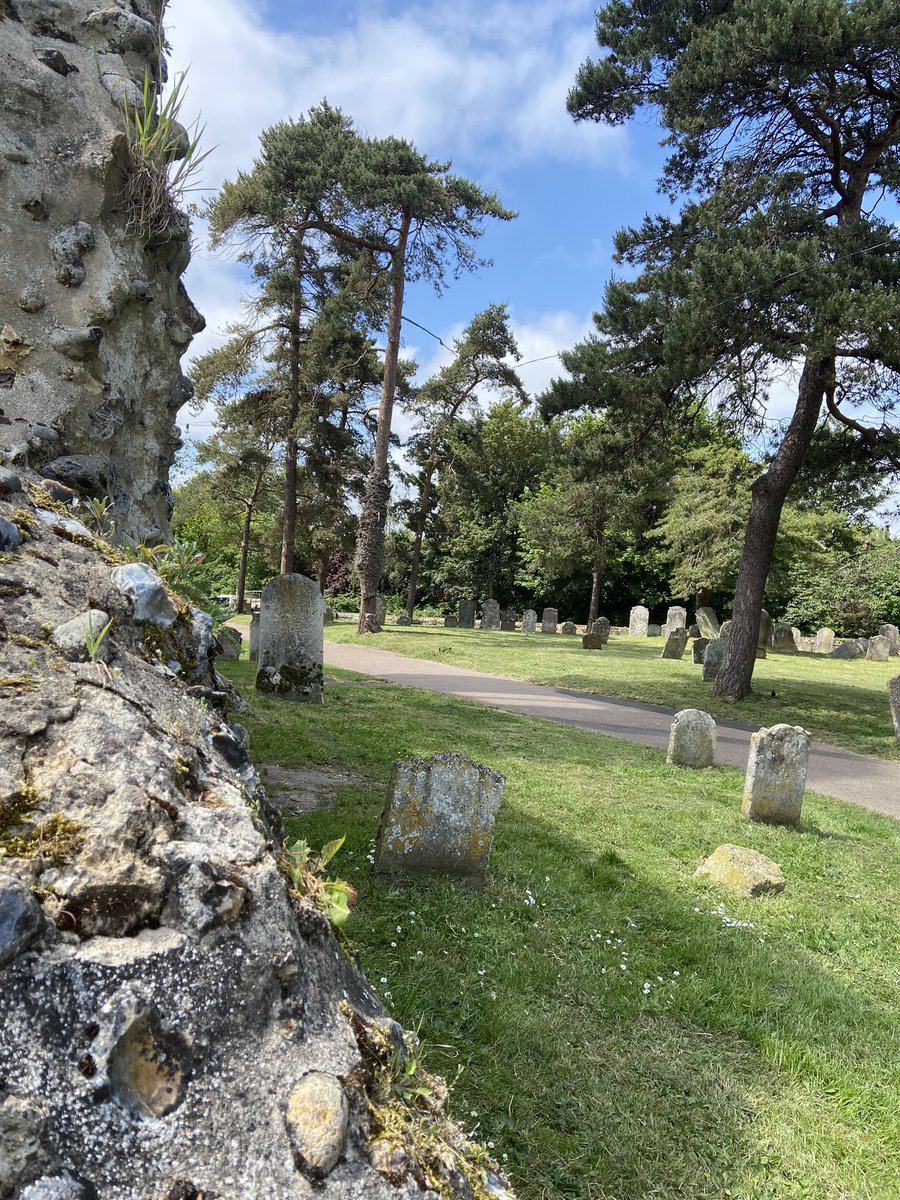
{"points": [[18, 682], [57, 838], [14, 349]]}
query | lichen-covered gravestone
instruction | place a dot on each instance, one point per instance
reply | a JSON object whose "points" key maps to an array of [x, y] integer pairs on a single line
{"points": [[291, 639], [601, 626], [776, 775], [676, 618], [892, 633], [451, 622], [713, 657], [783, 638], [466, 618], [707, 622], [548, 620], [507, 620], [592, 641], [675, 643], [529, 621], [824, 643], [742, 870], [638, 621], [569, 628], [692, 739], [490, 615], [725, 630], [253, 637], [879, 649], [698, 649], [439, 818]]}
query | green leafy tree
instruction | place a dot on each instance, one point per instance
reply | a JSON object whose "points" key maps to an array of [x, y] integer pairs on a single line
{"points": [[784, 121], [479, 367]]}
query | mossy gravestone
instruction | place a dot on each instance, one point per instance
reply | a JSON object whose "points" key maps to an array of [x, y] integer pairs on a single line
{"points": [[291, 639], [439, 818], [776, 775]]}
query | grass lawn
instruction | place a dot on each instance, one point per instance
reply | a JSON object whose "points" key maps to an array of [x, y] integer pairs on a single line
{"points": [[841, 702], [624, 1031]]}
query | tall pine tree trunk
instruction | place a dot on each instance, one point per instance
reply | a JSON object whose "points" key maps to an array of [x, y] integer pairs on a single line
{"points": [[289, 523], [373, 515], [597, 566], [242, 562], [768, 495], [424, 504]]}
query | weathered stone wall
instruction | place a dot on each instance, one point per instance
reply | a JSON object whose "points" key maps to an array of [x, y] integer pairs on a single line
{"points": [[93, 320]]}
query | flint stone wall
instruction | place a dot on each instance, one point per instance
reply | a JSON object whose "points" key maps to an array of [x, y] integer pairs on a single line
{"points": [[93, 320]]}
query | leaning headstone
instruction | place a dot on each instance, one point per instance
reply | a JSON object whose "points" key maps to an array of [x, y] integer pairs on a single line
{"points": [[490, 615], [776, 775], [529, 621], [548, 620], [676, 618], [601, 626], [744, 871], [707, 622], [783, 638], [713, 657], [638, 620], [692, 739], [466, 619], [847, 650], [725, 630], [439, 818], [291, 639], [253, 636], [879, 649], [507, 620], [451, 622], [698, 649], [569, 628], [894, 700], [675, 643], [592, 641], [654, 631], [380, 610], [892, 633]]}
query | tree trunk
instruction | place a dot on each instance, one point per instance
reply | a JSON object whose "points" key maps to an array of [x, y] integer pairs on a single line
{"points": [[323, 574], [289, 523], [424, 504], [242, 563], [373, 515], [596, 578], [767, 500]]}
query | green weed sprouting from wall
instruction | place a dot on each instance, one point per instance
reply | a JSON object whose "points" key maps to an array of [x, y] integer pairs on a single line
{"points": [[163, 158]]}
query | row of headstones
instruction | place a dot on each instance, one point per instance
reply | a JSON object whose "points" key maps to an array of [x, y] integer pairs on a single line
{"points": [[440, 812], [506, 620]]}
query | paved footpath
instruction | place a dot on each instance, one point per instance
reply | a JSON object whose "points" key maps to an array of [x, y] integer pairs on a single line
{"points": [[859, 778]]}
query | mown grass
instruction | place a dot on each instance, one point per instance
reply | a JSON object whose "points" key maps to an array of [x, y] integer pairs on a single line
{"points": [[624, 1031], [836, 701]]}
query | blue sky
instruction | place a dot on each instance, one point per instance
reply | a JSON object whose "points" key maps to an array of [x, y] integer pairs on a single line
{"points": [[481, 83]]}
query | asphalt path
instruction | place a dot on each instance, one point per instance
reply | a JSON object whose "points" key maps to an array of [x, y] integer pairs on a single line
{"points": [[860, 779]]}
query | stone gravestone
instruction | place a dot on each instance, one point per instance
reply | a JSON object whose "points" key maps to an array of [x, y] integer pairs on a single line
{"points": [[654, 631], [329, 615], [892, 633], [439, 818], [694, 631], [601, 626], [675, 643], [507, 620], [490, 615], [291, 639], [370, 624], [725, 630], [698, 649], [380, 611], [466, 619], [529, 621], [707, 622], [776, 775], [451, 622], [592, 641], [638, 620], [783, 638], [403, 619], [879, 649], [824, 643], [230, 641], [548, 620], [713, 657], [744, 871], [569, 628], [692, 739], [894, 700], [764, 636], [676, 618], [253, 636], [847, 650]]}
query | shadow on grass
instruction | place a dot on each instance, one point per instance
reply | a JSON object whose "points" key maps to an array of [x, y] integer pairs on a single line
{"points": [[714, 1061]]}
